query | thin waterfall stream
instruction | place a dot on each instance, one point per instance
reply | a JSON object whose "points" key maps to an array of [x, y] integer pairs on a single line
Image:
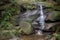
{"points": [[41, 19]]}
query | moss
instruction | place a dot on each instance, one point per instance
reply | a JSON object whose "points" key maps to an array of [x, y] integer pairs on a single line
{"points": [[56, 15], [26, 1], [26, 27], [48, 4], [7, 15], [57, 7], [29, 6], [57, 36]]}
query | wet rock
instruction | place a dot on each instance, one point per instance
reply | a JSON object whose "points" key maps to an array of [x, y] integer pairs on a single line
{"points": [[26, 20], [49, 25], [55, 28]]}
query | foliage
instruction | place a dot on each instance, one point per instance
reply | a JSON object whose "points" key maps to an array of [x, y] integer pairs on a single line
{"points": [[48, 4], [24, 25], [55, 15], [57, 7], [28, 6], [57, 36], [58, 1], [6, 14]]}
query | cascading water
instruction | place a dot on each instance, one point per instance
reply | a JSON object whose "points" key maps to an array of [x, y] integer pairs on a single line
{"points": [[14, 37], [41, 19], [27, 16]]}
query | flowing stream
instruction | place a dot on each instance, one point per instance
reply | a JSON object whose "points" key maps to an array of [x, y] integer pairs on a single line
{"points": [[41, 19]]}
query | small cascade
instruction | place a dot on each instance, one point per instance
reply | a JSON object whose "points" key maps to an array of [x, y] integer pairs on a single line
{"points": [[33, 16], [41, 19], [14, 37]]}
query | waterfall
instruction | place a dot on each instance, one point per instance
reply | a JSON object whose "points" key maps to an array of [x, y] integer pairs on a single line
{"points": [[28, 14], [42, 18]]}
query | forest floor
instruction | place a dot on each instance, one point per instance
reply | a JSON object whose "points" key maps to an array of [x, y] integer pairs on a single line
{"points": [[34, 37]]}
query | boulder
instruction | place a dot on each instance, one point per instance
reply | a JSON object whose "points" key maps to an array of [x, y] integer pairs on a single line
{"points": [[26, 27]]}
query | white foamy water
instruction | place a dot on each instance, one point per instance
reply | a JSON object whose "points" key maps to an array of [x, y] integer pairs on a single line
{"points": [[42, 18]]}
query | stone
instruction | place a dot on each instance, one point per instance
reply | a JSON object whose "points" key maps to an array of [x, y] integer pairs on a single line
{"points": [[26, 27]]}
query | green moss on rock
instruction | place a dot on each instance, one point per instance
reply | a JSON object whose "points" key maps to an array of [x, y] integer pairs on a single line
{"points": [[29, 6], [48, 4], [53, 16], [26, 27], [57, 7]]}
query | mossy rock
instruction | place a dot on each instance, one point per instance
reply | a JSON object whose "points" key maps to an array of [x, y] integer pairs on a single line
{"points": [[25, 1], [47, 4], [57, 7], [53, 16], [57, 36], [29, 6], [56, 15], [26, 27], [22, 1], [33, 1], [5, 36]]}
